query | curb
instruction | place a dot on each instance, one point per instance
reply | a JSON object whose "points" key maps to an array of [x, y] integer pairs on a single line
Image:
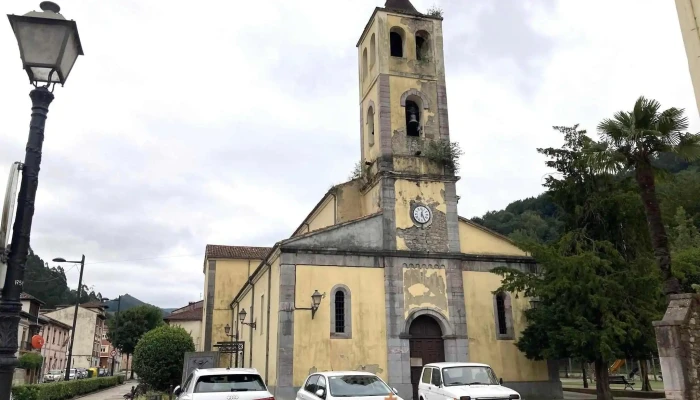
{"points": [[621, 393]]}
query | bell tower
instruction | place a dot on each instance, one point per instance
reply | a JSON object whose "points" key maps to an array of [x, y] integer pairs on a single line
{"points": [[405, 132]]}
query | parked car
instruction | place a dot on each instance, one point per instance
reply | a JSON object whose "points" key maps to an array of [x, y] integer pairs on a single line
{"points": [[456, 380], [219, 383], [345, 385], [54, 375], [72, 375]]}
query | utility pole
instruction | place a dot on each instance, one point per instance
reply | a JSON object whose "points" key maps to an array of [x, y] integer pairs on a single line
{"points": [[75, 313]]}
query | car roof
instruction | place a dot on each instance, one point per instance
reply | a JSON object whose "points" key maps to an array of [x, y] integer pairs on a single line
{"points": [[455, 364], [343, 373], [226, 371]]}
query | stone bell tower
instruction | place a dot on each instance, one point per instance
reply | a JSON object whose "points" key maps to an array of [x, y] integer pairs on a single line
{"points": [[403, 114]]}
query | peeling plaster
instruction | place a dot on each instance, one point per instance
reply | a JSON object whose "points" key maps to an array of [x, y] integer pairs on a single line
{"points": [[425, 288]]}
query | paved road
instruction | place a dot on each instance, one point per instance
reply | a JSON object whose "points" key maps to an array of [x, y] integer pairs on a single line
{"points": [[116, 393], [585, 396]]}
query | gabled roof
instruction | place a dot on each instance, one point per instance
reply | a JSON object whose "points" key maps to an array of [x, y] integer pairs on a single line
{"points": [[244, 252], [27, 296], [189, 315]]}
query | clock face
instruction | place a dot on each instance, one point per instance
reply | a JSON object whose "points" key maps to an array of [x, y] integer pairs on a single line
{"points": [[421, 214]]}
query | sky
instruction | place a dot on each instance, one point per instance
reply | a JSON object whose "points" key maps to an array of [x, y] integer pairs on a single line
{"points": [[224, 122]]}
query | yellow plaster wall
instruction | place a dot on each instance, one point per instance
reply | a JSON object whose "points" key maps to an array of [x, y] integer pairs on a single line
{"points": [[408, 63], [431, 193], [324, 216], [425, 287], [688, 13], [473, 240], [367, 81], [349, 199], [257, 344], [244, 330], [371, 199], [231, 275], [313, 347], [502, 355], [204, 306]]}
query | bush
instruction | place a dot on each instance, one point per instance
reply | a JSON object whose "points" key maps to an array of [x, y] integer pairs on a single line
{"points": [[160, 354], [65, 389], [30, 361]]}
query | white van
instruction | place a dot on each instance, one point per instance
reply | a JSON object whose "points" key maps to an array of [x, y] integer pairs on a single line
{"points": [[455, 380]]}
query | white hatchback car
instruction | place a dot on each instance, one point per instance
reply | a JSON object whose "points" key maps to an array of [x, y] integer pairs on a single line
{"points": [[454, 380], [223, 384], [345, 385]]}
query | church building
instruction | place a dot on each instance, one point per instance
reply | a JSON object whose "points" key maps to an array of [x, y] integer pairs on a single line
{"points": [[383, 275]]}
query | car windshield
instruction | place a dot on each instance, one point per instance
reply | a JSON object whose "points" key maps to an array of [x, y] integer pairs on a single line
{"points": [[229, 383], [468, 375], [357, 386]]}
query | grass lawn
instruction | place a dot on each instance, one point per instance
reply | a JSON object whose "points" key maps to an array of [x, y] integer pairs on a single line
{"points": [[578, 383]]}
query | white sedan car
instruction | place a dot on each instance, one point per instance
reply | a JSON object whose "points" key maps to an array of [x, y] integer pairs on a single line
{"points": [[345, 385]]}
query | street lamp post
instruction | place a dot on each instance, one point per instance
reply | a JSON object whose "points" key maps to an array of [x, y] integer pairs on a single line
{"points": [[116, 327], [49, 46], [75, 313]]}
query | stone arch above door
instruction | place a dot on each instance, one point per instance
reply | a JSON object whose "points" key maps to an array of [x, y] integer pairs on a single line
{"points": [[445, 326]]}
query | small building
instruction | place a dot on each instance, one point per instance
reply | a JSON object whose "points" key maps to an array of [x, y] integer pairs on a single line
{"points": [[29, 323], [189, 318], [383, 275], [106, 349], [88, 331], [56, 336]]}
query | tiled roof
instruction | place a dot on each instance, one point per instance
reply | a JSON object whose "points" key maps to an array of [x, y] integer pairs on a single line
{"points": [[401, 5], [27, 296], [245, 252], [190, 315], [94, 304]]}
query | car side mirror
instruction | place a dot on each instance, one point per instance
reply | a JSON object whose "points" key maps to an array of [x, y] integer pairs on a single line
{"points": [[177, 390], [500, 381], [395, 391], [319, 393]]}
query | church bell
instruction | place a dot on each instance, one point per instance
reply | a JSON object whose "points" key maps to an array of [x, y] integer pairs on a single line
{"points": [[413, 123]]}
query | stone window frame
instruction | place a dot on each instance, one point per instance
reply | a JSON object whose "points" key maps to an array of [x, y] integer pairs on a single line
{"points": [[347, 303], [371, 135], [508, 309]]}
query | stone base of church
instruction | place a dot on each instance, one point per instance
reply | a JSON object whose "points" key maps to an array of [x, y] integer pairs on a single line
{"points": [[537, 390]]}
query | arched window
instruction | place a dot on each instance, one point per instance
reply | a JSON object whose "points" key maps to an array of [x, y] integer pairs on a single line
{"points": [[372, 50], [422, 46], [396, 39], [370, 125], [412, 118], [341, 316], [364, 64], [504, 316]]}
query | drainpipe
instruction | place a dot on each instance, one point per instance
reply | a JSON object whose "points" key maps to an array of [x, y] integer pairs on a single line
{"points": [[267, 334]]}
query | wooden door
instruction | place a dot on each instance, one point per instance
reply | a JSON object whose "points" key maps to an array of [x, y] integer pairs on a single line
{"points": [[425, 346]]}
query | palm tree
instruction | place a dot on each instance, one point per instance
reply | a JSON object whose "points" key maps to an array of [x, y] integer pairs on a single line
{"points": [[629, 142]]}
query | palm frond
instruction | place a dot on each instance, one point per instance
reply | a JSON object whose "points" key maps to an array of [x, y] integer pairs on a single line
{"points": [[672, 120], [688, 147], [603, 159], [613, 131], [645, 112]]}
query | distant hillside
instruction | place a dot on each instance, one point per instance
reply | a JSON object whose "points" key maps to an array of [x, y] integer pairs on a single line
{"points": [[127, 302]]}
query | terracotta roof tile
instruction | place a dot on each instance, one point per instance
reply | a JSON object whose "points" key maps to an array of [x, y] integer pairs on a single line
{"points": [[190, 315], [401, 5], [245, 252], [27, 296]]}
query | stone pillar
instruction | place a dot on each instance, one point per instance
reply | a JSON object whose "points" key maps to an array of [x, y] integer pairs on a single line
{"points": [[678, 340]]}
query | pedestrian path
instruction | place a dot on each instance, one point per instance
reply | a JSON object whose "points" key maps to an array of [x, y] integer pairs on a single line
{"points": [[115, 393]]}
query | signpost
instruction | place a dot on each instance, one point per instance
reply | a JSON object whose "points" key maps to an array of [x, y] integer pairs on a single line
{"points": [[8, 212], [113, 353]]}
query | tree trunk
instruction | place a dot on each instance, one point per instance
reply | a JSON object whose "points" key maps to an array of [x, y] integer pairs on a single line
{"points": [[659, 240], [127, 363], [644, 374], [583, 373], [602, 384]]}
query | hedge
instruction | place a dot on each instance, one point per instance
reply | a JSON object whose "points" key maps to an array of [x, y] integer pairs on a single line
{"points": [[65, 389]]}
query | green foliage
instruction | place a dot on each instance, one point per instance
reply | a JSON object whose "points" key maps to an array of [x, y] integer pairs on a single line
{"points": [[595, 304], [357, 172], [129, 326], [444, 152], [64, 390], [49, 284], [31, 361], [159, 356], [434, 11]]}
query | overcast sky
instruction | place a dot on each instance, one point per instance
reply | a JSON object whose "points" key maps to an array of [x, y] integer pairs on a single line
{"points": [[225, 121]]}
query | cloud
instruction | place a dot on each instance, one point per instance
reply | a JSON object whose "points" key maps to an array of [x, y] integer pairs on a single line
{"points": [[224, 122]]}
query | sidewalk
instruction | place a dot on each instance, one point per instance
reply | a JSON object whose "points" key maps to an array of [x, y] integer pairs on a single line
{"points": [[115, 393]]}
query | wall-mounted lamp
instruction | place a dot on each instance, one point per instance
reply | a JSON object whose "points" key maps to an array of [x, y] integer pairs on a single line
{"points": [[315, 303], [241, 317]]}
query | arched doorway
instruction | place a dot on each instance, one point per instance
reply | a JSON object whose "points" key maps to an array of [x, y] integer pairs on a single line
{"points": [[425, 346]]}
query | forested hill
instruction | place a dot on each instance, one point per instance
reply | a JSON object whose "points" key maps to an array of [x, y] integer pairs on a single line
{"points": [[539, 217], [48, 284]]}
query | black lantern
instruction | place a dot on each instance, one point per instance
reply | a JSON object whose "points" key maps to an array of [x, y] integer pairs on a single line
{"points": [[242, 314], [316, 299], [48, 43], [227, 329]]}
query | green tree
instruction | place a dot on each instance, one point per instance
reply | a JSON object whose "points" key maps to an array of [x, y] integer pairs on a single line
{"points": [[594, 303], [31, 362], [127, 328], [160, 354], [629, 142]]}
